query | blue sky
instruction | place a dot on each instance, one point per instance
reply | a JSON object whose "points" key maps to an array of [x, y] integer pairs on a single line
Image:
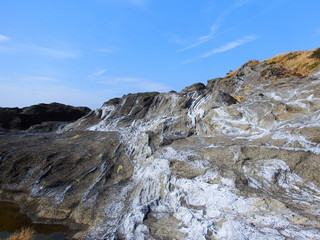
{"points": [[86, 52]]}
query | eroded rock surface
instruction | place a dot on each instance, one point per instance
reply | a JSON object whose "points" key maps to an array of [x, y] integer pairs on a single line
{"points": [[236, 159], [24, 118], [61, 176]]}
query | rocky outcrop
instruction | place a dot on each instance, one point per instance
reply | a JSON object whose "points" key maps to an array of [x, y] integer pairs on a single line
{"points": [[194, 87], [59, 177], [24, 118], [236, 159]]}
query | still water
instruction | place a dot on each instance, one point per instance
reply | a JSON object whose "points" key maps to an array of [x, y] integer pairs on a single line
{"points": [[12, 220]]}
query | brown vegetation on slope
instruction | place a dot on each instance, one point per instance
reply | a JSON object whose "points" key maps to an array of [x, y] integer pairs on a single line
{"points": [[302, 62], [24, 234], [298, 63]]}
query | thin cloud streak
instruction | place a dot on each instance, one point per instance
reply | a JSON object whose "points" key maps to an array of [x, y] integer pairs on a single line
{"points": [[205, 38], [215, 26], [54, 49], [21, 80], [138, 84], [55, 52], [4, 38], [107, 50], [227, 47], [101, 72]]}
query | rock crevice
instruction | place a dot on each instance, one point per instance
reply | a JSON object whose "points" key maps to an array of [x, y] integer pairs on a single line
{"points": [[236, 159]]}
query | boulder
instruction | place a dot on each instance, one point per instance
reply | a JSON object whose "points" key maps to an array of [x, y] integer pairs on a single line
{"points": [[24, 118], [238, 159], [194, 87]]}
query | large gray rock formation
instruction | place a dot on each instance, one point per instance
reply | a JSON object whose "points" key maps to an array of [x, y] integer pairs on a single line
{"points": [[236, 159], [24, 118]]}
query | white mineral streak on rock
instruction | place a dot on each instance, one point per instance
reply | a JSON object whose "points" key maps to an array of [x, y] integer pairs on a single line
{"points": [[101, 175], [295, 139], [106, 111], [196, 110], [210, 204], [272, 173], [60, 197]]}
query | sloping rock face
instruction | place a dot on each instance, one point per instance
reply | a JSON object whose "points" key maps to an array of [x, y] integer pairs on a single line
{"points": [[64, 176], [236, 159], [24, 118]]}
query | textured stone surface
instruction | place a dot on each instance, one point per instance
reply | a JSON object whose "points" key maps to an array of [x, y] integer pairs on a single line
{"points": [[61, 176], [23, 118], [236, 159]]}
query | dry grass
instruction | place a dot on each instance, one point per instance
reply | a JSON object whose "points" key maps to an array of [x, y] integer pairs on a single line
{"points": [[24, 234], [247, 88], [239, 99], [232, 74], [301, 62]]}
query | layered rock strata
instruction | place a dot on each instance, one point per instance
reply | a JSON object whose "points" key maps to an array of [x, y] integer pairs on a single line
{"points": [[235, 159]]}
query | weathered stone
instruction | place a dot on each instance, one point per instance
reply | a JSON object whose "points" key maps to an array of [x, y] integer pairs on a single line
{"points": [[23, 118], [194, 87], [63, 173], [237, 159], [211, 84]]}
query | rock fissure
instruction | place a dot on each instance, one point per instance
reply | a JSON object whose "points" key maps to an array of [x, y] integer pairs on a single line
{"points": [[236, 159]]}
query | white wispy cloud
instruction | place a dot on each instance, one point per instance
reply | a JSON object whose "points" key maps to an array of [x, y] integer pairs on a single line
{"points": [[24, 79], [52, 51], [226, 47], [107, 50], [51, 48], [215, 26], [4, 38], [100, 72], [135, 84], [230, 45], [205, 38]]}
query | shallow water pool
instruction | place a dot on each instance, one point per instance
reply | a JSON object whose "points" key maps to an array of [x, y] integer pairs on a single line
{"points": [[12, 220]]}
